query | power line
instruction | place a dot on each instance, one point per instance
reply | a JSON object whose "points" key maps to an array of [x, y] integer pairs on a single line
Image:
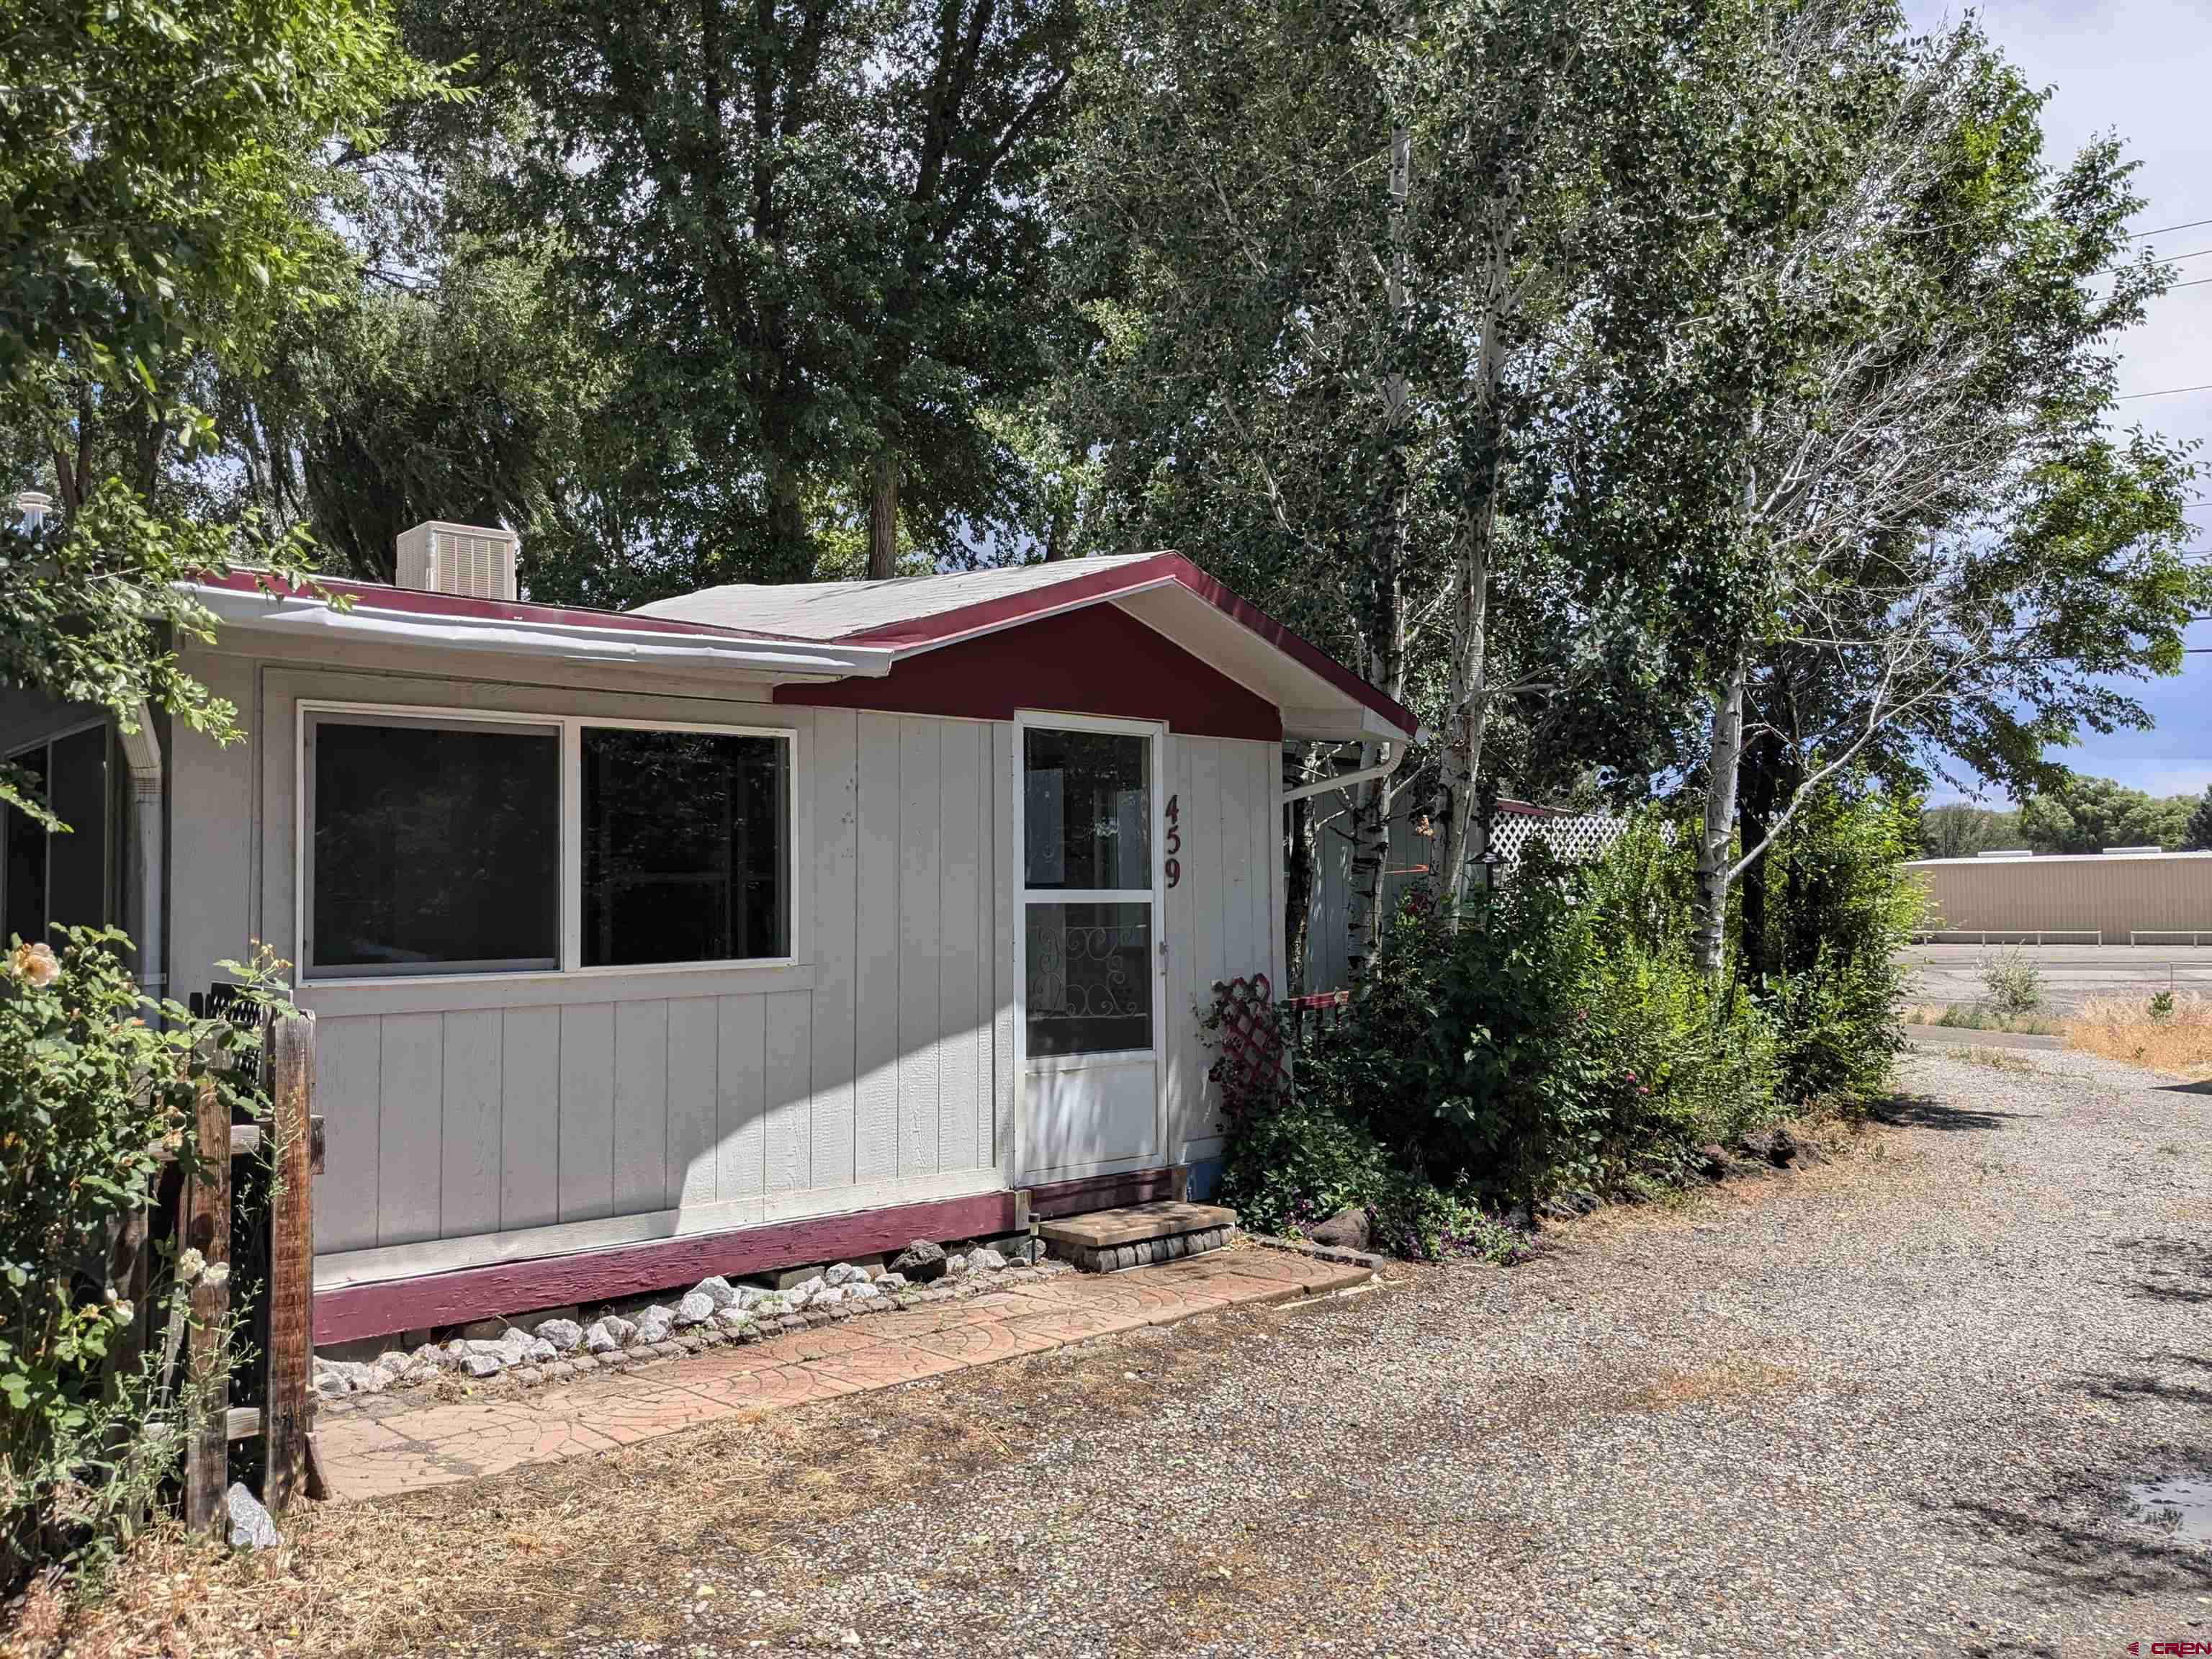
{"points": [[2199, 282], [2163, 258], [2171, 391], [2138, 235]]}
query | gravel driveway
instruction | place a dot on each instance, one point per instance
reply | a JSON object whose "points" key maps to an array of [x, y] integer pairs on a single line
{"points": [[1887, 1406]]}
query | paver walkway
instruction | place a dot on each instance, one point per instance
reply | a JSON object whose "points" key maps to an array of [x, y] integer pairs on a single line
{"points": [[437, 1445]]}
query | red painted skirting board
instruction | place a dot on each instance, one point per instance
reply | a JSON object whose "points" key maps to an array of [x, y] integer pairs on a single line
{"points": [[466, 1293], [1108, 1192]]}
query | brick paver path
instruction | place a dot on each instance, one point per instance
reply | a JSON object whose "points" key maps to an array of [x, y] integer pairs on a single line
{"points": [[438, 1445]]}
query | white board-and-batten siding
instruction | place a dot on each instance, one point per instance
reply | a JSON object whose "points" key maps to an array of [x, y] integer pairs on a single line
{"points": [[694, 1112], [474, 1119], [1225, 915]]}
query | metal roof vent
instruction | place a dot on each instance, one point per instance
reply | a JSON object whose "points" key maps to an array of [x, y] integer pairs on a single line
{"points": [[472, 560], [2007, 852], [2110, 851]]}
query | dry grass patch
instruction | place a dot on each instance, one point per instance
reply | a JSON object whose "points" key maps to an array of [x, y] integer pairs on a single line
{"points": [[599, 1547], [2167, 1032]]}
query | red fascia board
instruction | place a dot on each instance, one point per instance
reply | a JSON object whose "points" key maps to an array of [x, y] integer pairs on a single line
{"points": [[354, 1311], [379, 596], [944, 626], [1523, 809]]}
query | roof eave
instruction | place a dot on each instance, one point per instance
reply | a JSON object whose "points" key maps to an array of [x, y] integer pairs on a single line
{"points": [[299, 616]]}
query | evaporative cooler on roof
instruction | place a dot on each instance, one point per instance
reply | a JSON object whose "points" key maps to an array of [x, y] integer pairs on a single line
{"points": [[470, 560]]}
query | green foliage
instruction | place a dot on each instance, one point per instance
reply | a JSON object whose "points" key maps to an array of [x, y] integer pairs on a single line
{"points": [[798, 236], [1974, 1017], [1843, 908], [88, 1090], [2013, 982], [1560, 1038], [2197, 836], [149, 157], [2162, 1007], [2087, 815], [1563, 1038], [1960, 830], [161, 166]]}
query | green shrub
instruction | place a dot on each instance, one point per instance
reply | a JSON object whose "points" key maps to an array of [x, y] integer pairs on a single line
{"points": [[1842, 907], [2013, 982], [1294, 1162], [1562, 1038], [88, 1089]]}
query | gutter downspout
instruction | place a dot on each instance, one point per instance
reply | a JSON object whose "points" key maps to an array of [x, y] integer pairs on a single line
{"points": [[1347, 779], [145, 900]]}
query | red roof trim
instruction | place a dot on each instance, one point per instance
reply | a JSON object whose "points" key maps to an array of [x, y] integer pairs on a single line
{"points": [[943, 627], [379, 596]]}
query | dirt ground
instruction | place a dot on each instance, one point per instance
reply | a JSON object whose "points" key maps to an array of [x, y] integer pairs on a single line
{"points": [[1893, 1405]]}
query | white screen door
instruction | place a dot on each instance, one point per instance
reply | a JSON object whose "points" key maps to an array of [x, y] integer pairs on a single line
{"points": [[1092, 981]]}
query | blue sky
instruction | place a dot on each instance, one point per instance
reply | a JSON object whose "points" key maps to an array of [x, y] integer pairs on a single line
{"points": [[2142, 69]]}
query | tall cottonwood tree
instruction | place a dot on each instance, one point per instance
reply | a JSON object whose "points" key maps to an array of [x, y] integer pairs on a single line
{"points": [[1861, 431], [1326, 248], [806, 235]]}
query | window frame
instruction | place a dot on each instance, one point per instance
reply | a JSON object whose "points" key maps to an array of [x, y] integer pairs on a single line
{"points": [[569, 921], [1155, 734], [111, 896]]}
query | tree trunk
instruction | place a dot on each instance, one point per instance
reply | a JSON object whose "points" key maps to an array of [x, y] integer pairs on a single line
{"points": [[1761, 761], [1300, 863], [883, 516], [1377, 606], [1713, 847], [1469, 686], [790, 555]]}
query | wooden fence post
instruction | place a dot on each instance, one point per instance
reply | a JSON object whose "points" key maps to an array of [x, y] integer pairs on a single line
{"points": [[291, 1262], [204, 1225]]}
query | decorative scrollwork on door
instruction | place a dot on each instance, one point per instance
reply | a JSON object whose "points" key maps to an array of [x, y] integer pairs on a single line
{"points": [[1082, 970]]}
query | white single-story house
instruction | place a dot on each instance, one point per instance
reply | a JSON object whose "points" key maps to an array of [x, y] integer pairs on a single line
{"points": [[760, 926]]}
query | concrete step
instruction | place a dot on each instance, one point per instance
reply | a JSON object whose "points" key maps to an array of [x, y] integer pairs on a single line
{"points": [[1138, 1235]]}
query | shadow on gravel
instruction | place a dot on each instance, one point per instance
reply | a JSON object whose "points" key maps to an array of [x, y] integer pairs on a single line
{"points": [[1927, 1112], [2169, 1270], [2203, 1088], [2091, 1560]]}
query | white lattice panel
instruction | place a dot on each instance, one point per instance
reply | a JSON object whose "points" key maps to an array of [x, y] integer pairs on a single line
{"points": [[1572, 840]]}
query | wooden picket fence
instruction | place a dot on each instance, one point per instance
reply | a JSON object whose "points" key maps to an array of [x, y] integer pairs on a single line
{"points": [[206, 1221]]}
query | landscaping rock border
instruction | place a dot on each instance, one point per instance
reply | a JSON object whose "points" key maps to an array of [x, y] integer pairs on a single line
{"points": [[713, 1313], [1336, 1254]]}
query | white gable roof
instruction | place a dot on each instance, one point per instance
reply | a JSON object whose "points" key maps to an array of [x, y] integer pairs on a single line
{"points": [[832, 610]]}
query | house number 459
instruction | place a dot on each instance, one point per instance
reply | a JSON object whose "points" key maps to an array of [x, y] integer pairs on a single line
{"points": [[1173, 866]]}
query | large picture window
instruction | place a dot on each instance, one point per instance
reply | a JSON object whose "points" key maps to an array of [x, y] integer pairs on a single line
{"points": [[438, 845], [683, 846]]}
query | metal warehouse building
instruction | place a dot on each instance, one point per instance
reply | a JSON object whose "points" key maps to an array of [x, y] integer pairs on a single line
{"points": [[2108, 898]]}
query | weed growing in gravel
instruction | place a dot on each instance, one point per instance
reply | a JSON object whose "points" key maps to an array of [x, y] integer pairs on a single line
{"points": [[2013, 982], [1997, 1060]]}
